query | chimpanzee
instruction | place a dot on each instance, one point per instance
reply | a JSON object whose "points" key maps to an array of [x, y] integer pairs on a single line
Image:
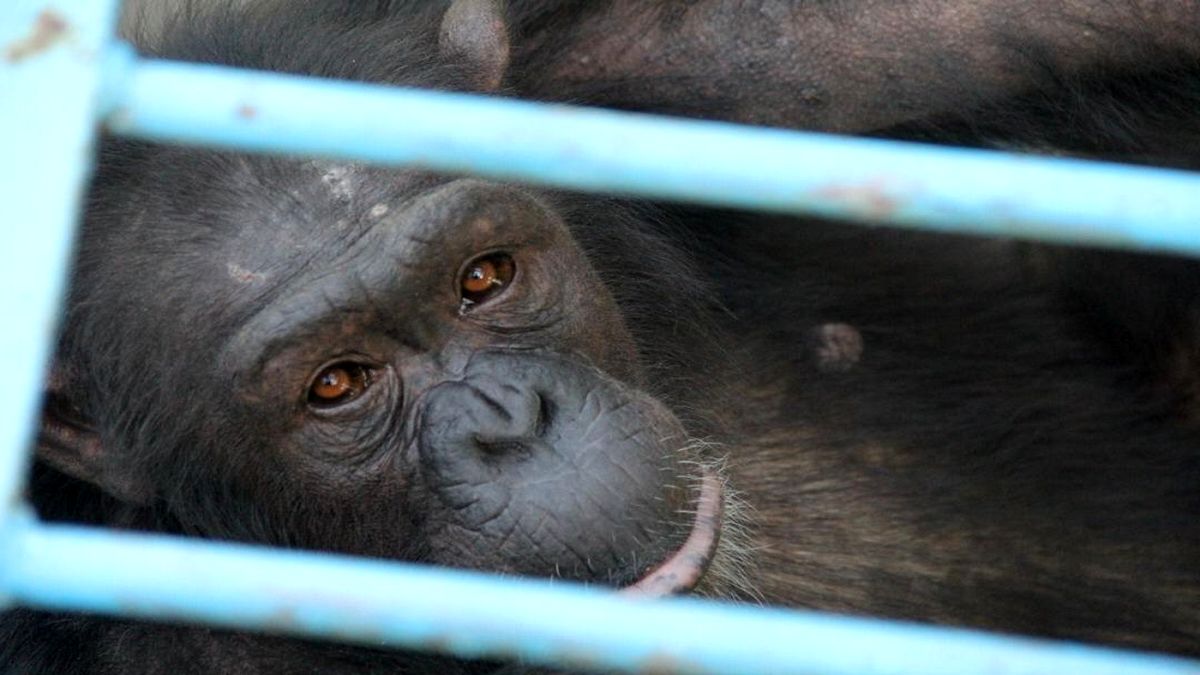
{"points": [[1144, 308], [444, 369]]}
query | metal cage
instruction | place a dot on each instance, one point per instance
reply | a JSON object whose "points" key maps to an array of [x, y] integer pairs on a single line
{"points": [[63, 73]]}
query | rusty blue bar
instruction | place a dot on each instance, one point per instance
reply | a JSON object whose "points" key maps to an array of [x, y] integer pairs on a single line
{"points": [[869, 180], [391, 604], [50, 83]]}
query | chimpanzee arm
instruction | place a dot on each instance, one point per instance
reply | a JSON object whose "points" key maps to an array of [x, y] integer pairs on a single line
{"points": [[836, 65]]}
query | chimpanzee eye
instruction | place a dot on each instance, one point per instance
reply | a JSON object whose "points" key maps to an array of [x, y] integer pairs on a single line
{"points": [[485, 277], [338, 384]]}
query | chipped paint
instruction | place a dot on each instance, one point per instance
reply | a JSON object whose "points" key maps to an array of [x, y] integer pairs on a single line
{"points": [[666, 663], [48, 29], [872, 199]]}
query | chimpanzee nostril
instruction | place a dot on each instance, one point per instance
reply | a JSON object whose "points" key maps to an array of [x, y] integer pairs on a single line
{"points": [[529, 420], [487, 416], [545, 415], [498, 448], [503, 412], [496, 407]]}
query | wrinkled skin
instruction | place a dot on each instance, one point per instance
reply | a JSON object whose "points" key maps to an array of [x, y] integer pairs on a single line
{"points": [[921, 427]]}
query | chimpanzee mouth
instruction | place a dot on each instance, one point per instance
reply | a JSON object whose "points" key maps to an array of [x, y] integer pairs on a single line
{"points": [[684, 568]]}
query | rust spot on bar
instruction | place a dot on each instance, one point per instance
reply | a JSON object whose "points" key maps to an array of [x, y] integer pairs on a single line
{"points": [[49, 29], [664, 664], [281, 620], [870, 199], [119, 119], [247, 111]]}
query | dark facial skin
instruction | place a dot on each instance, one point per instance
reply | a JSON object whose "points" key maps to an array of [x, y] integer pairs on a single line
{"points": [[465, 402], [453, 371], [452, 401]]}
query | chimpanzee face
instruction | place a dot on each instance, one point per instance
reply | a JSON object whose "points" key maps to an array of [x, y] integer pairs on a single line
{"points": [[382, 362], [397, 365]]}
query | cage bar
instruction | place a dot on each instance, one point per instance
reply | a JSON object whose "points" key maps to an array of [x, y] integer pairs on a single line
{"points": [[719, 164], [50, 84], [380, 603]]}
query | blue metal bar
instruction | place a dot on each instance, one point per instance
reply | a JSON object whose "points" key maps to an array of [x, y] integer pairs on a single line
{"points": [[379, 603], [50, 82], [943, 189]]}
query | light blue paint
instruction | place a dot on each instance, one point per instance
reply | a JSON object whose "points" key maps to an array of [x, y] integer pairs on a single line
{"points": [[943, 189], [48, 93], [378, 603]]}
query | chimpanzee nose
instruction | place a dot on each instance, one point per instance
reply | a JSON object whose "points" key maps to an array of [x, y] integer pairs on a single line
{"points": [[502, 414], [482, 418]]}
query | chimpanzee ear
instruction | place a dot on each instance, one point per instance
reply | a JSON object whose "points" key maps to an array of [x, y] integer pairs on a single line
{"points": [[476, 30], [68, 442]]}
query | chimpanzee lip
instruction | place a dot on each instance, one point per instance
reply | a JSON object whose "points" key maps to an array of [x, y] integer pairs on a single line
{"points": [[683, 569]]}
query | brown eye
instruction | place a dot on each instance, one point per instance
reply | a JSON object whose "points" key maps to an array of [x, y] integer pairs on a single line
{"points": [[485, 277], [338, 384]]}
